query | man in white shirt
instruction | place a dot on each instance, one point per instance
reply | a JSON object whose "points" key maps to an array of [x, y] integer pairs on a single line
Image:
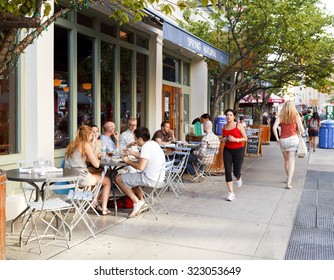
{"points": [[108, 132], [150, 161]]}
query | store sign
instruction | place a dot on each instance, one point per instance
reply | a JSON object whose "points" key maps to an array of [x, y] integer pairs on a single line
{"points": [[187, 40]]}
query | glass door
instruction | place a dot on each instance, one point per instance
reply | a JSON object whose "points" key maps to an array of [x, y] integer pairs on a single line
{"points": [[172, 108]]}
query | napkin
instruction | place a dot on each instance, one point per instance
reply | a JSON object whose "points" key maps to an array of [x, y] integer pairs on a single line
{"points": [[25, 169], [54, 169]]}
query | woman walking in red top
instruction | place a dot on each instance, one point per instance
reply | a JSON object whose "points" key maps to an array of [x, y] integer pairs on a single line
{"points": [[234, 136], [291, 123]]}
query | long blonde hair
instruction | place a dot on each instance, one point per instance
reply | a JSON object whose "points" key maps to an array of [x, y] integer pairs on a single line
{"points": [[288, 113], [83, 136]]}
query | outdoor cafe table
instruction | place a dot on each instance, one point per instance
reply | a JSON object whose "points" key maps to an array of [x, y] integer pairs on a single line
{"points": [[114, 167], [33, 179]]}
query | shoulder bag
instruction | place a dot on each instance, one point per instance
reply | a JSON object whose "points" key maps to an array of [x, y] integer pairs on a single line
{"points": [[302, 150]]}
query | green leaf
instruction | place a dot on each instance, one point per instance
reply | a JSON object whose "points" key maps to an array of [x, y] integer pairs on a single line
{"points": [[47, 9], [204, 2]]}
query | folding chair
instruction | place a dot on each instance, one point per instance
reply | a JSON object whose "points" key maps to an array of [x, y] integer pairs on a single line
{"points": [[204, 170], [181, 156], [152, 194], [53, 205], [82, 199]]}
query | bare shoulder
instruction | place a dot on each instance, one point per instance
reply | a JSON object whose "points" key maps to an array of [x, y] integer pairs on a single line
{"points": [[87, 145], [240, 126]]}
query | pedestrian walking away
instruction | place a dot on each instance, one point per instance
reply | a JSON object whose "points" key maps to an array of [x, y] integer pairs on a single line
{"points": [[291, 126], [234, 136], [313, 131]]}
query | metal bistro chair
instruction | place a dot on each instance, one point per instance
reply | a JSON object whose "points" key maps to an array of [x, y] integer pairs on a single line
{"points": [[82, 199], [152, 194], [53, 205], [204, 170], [181, 156]]}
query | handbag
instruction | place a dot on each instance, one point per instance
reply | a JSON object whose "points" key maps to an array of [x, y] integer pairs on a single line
{"points": [[302, 150]]}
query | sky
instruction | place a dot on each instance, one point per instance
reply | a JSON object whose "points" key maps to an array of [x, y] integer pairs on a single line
{"points": [[329, 4]]}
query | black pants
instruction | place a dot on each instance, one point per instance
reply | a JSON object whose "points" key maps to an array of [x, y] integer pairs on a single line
{"points": [[233, 157]]}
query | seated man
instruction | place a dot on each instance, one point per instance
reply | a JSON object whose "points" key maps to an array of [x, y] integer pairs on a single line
{"points": [[127, 141], [205, 117], [150, 161], [209, 142], [105, 137], [165, 135], [127, 138]]}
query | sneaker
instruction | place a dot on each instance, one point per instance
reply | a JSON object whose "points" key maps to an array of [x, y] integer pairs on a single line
{"points": [[196, 179], [202, 177], [231, 196], [144, 208], [136, 208], [239, 183]]}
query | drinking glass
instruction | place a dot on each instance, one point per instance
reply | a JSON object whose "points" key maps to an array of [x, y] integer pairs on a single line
{"points": [[35, 166], [48, 165]]}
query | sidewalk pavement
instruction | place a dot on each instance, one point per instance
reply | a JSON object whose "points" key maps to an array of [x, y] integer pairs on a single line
{"points": [[201, 224]]}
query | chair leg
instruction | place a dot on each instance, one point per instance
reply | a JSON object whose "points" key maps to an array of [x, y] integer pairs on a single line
{"points": [[153, 198]]}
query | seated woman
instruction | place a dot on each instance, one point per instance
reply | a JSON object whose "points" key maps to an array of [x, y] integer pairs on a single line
{"points": [[96, 142], [77, 153]]}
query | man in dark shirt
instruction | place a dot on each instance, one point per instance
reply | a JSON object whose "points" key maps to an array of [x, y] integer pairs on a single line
{"points": [[165, 135]]}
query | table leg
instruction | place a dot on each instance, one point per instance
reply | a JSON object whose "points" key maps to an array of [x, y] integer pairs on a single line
{"points": [[113, 173]]}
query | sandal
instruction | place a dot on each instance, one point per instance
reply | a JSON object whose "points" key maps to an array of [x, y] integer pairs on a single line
{"points": [[103, 212], [94, 204]]}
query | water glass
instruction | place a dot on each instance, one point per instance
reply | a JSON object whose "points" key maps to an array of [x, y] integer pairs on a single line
{"points": [[48, 165], [35, 166]]}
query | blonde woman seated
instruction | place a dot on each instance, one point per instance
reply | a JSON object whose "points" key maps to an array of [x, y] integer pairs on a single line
{"points": [[77, 153]]}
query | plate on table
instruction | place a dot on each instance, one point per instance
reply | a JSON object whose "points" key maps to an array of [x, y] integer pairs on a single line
{"points": [[117, 160], [193, 146], [170, 145]]}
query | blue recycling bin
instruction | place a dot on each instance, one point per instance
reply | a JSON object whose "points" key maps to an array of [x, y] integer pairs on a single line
{"points": [[221, 121], [326, 135]]}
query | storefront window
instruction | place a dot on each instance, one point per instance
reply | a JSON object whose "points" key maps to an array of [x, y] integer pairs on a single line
{"points": [[107, 85], [185, 129], [171, 69], [61, 88], [85, 80], [141, 88], [8, 113], [142, 42], [126, 36], [186, 74], [84, 20], [125, 71]]}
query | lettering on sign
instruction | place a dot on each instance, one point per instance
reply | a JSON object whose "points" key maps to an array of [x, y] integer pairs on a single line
{"points": [[194, 44], [209, 52]]}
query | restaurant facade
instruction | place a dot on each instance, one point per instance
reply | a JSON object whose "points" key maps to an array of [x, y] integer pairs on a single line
{"points": [[87, 69]]}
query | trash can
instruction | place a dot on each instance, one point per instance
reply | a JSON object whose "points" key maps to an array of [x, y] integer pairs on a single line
{"points": [[326, 135], [2, 214], [221, 121]]}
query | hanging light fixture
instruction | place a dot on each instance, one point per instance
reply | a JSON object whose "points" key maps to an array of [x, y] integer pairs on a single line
{"points": [[87, 86], [57, 82]]}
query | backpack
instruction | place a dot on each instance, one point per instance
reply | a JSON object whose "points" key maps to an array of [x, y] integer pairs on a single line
{"points": [[313, 124]]}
